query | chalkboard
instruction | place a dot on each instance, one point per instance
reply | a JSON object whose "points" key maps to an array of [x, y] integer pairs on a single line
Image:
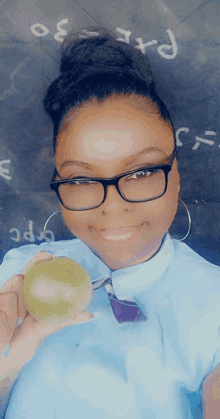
{"points": [[182, 41]]}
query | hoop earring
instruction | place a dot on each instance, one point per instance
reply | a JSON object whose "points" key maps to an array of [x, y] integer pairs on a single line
{"points": [[189, 220], [45, 225]]}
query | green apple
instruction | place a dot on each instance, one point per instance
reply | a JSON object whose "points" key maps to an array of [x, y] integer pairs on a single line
{"points": [[56, 289]]}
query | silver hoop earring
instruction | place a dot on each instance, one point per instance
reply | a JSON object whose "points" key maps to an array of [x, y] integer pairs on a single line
{"points": [[45, 225], [45, 231], [189, 220]]}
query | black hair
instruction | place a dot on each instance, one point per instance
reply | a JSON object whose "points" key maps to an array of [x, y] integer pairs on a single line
{"points": [[97, 66]]}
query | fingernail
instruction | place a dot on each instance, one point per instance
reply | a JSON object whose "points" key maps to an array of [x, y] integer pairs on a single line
{"points": [[48, 251]]}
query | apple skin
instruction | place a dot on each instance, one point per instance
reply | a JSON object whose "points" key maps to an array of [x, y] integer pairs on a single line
{"points": [[56, 290]]}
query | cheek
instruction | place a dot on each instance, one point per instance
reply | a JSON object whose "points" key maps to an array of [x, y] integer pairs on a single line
{"points": [[161, 212], [76, 221]]}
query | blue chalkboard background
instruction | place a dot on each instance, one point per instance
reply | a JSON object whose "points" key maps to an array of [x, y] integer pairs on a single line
{"points": [[182, 40]]}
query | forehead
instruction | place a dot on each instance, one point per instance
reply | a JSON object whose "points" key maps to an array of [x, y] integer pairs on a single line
{"points": [[116, 128]]}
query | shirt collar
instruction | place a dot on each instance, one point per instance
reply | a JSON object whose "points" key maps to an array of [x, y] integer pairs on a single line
{"points": [[132, 280]]}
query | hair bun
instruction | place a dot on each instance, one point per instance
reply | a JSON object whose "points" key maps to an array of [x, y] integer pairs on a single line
{"points": [[102, 52]]}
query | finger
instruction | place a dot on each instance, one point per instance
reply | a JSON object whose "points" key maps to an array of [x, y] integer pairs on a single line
{"points": [[40, 256], [11, 284], [15, 285], [5, 333], [26, 329], [9, 307]]}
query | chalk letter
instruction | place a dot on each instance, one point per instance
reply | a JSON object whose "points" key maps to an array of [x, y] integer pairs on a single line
{"points": [[28, 235], [18, 238], [165, 46], [61, 31], [3, 170], [142, 46], [185, 129], [42, 27], [125, 33]]}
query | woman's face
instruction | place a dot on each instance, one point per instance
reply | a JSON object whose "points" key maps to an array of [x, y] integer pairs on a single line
{"points": [[104, 136]]}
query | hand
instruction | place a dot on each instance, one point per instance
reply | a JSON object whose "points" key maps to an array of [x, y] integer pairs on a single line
{"points": [[211, 394], [26, 339]]}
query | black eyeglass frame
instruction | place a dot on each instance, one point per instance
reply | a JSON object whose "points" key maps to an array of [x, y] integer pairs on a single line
{"points": [[54, 185]]}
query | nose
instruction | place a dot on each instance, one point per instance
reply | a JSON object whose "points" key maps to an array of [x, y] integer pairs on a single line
{"points": [[114, 201]]}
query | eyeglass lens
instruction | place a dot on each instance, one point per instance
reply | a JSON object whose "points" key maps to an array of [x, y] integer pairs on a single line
{"points": [[138, 186]]}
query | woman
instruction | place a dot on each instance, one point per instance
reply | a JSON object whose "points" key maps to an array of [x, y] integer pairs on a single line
{"points": [[114, 136]]}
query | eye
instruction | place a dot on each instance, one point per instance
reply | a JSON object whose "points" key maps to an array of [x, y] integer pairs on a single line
{"points": [[144, 173], [82, 182]]}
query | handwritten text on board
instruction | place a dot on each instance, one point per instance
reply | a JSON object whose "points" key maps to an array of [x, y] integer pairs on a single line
{"points": [[3, 170], [40, 30], [30, 236]]}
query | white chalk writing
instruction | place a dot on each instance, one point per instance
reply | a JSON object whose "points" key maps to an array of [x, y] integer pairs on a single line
{"points": [[210, 133], [17, 232], [201, 140], [3, 170], [40, 30], [30, 236], [61, 32], [173, 47], [198, 139], [43, 28], [182, 129], [161, 49], [142, 46], [125, 33]]}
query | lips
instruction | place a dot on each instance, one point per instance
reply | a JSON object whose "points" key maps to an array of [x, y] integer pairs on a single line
{"points": [[121, 233], [121, 230]]}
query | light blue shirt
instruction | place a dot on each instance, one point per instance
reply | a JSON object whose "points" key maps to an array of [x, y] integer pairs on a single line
{"points": [[103, 369]]}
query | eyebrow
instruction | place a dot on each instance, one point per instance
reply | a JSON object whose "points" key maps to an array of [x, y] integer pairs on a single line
{"points": [[126, 161]]}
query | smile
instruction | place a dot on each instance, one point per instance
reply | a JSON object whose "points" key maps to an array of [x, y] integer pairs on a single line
{"points": [[122, 233]]}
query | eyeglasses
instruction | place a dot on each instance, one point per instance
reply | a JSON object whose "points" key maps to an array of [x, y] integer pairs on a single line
{"points": [[85, 193]]}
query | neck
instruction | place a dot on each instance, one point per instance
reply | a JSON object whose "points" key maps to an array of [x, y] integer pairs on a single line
{"points": [[149, 256], [136, 261]]}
